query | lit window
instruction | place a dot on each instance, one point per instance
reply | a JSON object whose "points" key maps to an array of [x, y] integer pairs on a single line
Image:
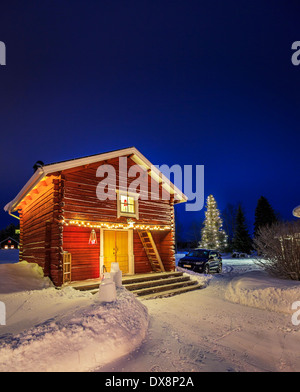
{"points": [[127, 204]]}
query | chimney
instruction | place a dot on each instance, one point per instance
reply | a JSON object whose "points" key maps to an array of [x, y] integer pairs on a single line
{"points": [[37, 165]]}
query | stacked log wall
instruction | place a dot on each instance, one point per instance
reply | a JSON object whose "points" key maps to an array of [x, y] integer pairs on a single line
{"points": [[56, 232], [81, 202], [33, 218], [85, 257]]}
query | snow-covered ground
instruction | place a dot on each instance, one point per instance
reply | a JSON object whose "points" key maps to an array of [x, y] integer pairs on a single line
{"points": [[63, 330], [240, 321], [244, 282]]}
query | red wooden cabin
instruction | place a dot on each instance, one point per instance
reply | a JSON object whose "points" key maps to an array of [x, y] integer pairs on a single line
{"points": [[74, 236]]}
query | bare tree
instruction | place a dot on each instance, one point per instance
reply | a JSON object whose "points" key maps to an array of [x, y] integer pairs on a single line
{"points": [[278, 248]]}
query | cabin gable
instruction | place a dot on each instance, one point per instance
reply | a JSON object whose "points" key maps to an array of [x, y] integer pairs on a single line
{"points": [[82, 204]]}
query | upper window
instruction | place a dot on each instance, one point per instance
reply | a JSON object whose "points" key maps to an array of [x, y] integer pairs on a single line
{"points": [[127, 204]]}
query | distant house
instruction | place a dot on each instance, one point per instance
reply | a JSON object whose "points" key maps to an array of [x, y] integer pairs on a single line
{"points": [[9, 243], [74, 235]]}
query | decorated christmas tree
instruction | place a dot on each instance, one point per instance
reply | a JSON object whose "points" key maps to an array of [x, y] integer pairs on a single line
{"points": [[212, 234]]}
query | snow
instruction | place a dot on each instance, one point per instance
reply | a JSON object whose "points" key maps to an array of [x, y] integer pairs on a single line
{"points": [[239, 321], [209, 330], [259, 290], [63, 330], [107, 291], [22, 277], [247, 284]]}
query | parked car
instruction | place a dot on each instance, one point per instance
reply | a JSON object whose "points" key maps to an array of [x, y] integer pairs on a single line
{"points": [[202, 260]]}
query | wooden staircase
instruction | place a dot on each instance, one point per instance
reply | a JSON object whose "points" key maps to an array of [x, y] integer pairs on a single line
{"points": [[150, 286], [151, 251], [158, 285]]}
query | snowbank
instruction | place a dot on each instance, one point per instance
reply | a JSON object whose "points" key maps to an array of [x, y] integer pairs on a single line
{"points": [[203, 279], [21, 277], [63, 330], [259, 290]]}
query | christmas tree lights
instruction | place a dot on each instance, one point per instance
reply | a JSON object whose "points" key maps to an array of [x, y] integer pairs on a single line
{"points": [[212, 234]]}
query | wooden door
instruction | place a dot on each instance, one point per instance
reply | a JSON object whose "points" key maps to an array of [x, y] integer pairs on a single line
{"points": [[116, 249], [122, 250]]}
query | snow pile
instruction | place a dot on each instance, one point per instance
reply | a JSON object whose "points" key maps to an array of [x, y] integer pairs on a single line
{"points": [[179, 256], [21, 277], [64, 330], [259, 290], [203, 279]]}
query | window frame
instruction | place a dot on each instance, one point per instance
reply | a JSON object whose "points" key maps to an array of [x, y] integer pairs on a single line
{"points": [[135, 196]]}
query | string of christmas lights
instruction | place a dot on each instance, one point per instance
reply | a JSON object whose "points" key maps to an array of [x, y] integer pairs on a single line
{"points": [[125, 226], [212, 234]]}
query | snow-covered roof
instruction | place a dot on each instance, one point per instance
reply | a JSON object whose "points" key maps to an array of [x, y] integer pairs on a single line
{"points": [[134, 154]]}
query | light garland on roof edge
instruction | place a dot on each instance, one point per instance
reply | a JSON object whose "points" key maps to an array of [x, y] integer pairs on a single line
{"points": [[124, 226]]}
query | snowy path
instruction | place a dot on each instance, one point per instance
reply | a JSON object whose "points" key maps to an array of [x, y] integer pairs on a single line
{"points": [[200, 331]]}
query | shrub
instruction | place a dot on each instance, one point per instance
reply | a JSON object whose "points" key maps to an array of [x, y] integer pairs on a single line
{"points": [[278, 249]]}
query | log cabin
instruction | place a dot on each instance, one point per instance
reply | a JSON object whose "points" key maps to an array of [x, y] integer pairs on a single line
{"points": [[75, 235]]}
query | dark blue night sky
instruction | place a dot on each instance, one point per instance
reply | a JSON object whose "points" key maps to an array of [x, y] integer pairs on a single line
{"points": [[186, 82]]}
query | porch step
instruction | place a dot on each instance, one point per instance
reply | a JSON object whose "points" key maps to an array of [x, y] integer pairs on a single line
{"points": [[149, 277], [153, 285], [159, 285], [169, 293], [163, 288], [87, 286], [135, 287]]}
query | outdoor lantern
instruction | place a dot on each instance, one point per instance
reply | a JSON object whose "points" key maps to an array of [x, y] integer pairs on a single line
{"points": [[93, 238], [130, 222]]}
